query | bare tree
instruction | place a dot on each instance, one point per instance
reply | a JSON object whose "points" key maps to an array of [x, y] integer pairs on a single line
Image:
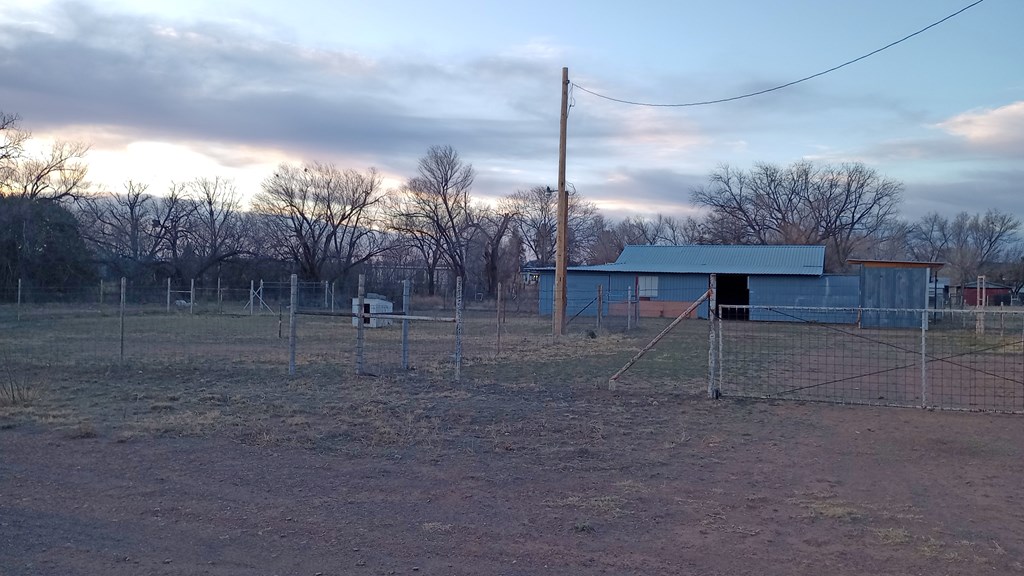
{"points": [[978, 243], [121, 227], [57, 176], [435, 208], [801, 204], [609, 243], [928, 239], [170, 226], [12, 146], [403, 219], [214, 224], [494, 228], [659, 229], [361, 237], [536, 220], [891, 242], [851, 202], [319, 215]]}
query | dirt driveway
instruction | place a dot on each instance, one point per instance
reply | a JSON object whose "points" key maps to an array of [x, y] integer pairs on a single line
{"points": [[488, 479]]}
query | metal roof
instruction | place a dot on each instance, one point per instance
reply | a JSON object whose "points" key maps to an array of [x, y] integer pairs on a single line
{"points": [[717, 259]]}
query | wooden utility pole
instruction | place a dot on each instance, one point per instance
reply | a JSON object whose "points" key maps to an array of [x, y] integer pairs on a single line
{"points": [[561, 244]]}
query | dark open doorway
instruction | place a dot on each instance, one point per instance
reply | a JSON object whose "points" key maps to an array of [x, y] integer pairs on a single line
{"points": [[733, 291]]}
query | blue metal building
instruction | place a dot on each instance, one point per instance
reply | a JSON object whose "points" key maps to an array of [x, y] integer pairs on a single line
{"points": [[666, 279]]}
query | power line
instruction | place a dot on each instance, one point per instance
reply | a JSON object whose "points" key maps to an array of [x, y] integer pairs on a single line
{"points": [[787, 84]]}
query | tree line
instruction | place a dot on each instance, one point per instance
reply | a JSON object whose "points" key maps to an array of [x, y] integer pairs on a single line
{"points": [[327, 223]]}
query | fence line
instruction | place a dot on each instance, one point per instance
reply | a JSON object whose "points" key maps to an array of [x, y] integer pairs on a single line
{"points": [[948, 359], [884, 356]]}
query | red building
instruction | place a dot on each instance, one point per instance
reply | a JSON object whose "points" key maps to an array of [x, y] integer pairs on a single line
{"points": [[995, 294]]}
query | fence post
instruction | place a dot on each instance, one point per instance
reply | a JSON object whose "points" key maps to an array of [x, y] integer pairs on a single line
{"points": [[325, 294], [979, 304], [120, 354], [360, 336], [458, 329], [252, 295], [629, 308], [600, 304], [168, 294], [19, 300], [334, 293], [636, 308], [406, 306], [498, 320], [720, 361], [192, 296], [924, 359], [713, 391], [220, 298], [293, 302], [101, 293]]}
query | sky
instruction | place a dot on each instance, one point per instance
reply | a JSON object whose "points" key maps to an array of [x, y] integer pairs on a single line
{"points": [[174, 90]]}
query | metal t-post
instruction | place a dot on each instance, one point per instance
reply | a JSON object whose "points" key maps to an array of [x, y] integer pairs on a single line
{"points": [[458, 329], [168, 294], [498, 322], [406, 297], [293, 301], [713, 391], [629, 308], [924, 359], [120, 354], [360, 335], [192, 296]]}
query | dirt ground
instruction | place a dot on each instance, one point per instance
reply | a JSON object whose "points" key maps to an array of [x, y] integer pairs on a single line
{"points": [[389, 476]]}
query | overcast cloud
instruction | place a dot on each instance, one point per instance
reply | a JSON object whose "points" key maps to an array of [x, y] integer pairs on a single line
{"points": [[247, 95]]}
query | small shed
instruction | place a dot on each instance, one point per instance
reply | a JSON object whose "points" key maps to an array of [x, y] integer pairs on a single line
{"points": [[373, 304], [893, 292]]}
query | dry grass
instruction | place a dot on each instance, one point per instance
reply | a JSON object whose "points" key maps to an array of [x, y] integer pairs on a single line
{"points": [[436, 527], [609, 505], [892, 536]]}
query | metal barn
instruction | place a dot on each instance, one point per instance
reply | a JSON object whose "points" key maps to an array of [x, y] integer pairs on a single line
{"points": [[665, 280]]}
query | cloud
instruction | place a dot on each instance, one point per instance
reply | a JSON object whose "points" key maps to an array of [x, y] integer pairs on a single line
{"points": [[160, 80], [972, 191], [999, 130]]}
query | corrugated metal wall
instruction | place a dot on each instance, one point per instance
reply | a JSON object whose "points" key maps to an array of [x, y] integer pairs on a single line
{"points": [[902, 288], [671, 288], [580, 292], [581, 289], [828, 291]]}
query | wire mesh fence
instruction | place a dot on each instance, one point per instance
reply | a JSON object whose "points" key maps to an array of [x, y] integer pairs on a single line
{"points": [[949, 359]]}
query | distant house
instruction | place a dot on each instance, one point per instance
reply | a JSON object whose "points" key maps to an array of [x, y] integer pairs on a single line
{"points": [[994, 293], [665, 280]]}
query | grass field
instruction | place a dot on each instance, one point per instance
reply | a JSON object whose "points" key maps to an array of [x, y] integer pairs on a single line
{"points": [[200, 455]]}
